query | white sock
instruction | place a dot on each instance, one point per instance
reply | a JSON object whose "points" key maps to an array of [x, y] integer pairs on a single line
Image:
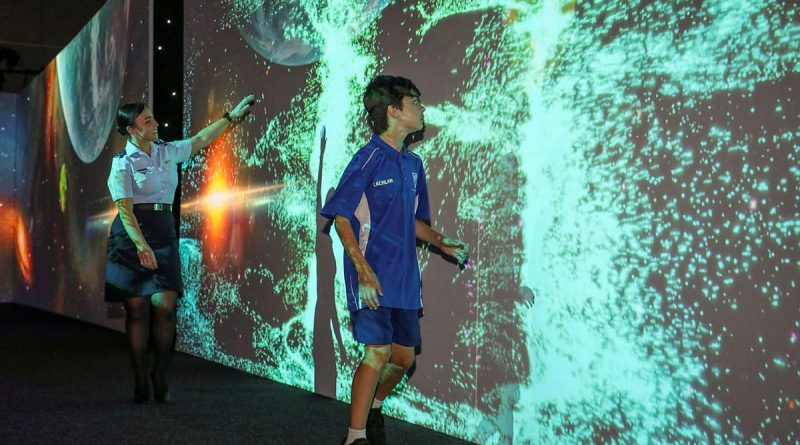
{"points": [[352, 435], [376, 403]]}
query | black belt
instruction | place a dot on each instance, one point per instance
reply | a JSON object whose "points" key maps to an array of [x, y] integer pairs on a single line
{"points": [[158, 207]]}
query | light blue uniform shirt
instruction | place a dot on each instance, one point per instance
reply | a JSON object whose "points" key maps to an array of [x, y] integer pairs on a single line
{"points": [[148, 179], [383, 192]]}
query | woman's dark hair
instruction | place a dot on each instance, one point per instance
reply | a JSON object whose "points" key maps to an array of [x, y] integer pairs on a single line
{"points": [[381, 92], [127, 115]]}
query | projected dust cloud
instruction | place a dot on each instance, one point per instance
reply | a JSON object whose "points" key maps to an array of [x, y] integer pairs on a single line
{"points": [[625, 173]]}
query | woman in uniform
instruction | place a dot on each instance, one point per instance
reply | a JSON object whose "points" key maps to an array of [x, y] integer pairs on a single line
{"points": [[143, 267]]}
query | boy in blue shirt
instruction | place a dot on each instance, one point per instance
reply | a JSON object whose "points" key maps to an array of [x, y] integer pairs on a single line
{"points": [[380, 208]]}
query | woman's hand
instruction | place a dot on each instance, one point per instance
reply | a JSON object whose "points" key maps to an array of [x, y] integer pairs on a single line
{"points": [[369, 287], [147, 257], [241, 111], [455, 248]]}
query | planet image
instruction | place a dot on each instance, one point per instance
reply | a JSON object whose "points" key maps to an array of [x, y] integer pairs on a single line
{"points": [[91, 71], [290, 32]]}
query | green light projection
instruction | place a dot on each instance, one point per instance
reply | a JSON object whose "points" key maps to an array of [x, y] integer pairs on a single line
{"points": [[632, 164]]}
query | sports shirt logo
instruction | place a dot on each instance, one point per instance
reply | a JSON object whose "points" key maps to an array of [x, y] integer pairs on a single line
{"points": [[382, 182]]}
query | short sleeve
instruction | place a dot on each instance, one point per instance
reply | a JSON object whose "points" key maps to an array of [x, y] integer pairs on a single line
{"points": [[178, 151], [352, 185], [120, 181], [423, 212]]}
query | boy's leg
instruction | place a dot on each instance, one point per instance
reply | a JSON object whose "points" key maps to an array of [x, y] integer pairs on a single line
{"points": [[400, 362], [364, 382], [372, 328], [402, 357], [405, 336]]}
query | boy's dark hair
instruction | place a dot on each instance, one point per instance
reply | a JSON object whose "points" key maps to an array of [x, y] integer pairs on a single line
{"points": [[126, 115], [381, 92]]}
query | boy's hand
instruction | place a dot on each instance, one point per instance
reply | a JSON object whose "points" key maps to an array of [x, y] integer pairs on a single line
{"points": [[369, 287], [455, 248]]}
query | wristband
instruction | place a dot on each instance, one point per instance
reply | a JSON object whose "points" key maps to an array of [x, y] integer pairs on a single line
{"points": [[227, 115]]}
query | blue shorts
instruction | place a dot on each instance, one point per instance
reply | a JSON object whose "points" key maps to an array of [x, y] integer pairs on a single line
{"points": [[386, 325]]}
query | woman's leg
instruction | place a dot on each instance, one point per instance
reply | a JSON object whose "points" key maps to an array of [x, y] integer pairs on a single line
{"points": [[163, 339], [137, 331]]}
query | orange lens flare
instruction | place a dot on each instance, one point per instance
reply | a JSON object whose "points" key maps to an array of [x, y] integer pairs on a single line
{"points": [[14, 235], [222, 205], [24, 261], [218, 196]]}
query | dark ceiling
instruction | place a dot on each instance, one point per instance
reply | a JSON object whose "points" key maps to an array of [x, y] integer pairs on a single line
{"points": [[37, 30]]}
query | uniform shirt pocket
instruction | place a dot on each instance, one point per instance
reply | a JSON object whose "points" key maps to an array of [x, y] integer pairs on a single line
{"points": [[140, 176], [145, 181]]}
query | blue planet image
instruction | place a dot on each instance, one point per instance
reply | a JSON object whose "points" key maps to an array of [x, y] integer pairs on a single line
{"points": [[91, 71], [291, 32]]}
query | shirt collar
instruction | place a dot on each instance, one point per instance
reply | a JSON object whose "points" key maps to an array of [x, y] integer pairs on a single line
{"points": [[130, 149], [376, 140]]}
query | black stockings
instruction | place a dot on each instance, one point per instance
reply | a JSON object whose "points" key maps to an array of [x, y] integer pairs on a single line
{"points": [[163, 329], [137, 330], [148, 317]]}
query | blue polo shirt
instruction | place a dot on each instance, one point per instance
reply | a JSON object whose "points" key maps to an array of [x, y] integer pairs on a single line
{"points": [[383, 192]]}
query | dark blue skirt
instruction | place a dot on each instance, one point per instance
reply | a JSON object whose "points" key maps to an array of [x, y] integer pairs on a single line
{"points": [[125, 276]]}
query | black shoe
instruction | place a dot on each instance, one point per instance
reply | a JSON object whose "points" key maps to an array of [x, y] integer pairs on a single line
{"points": [[141, 392], [160, 388], [162, 397], [356, 442], [375, 431]]}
